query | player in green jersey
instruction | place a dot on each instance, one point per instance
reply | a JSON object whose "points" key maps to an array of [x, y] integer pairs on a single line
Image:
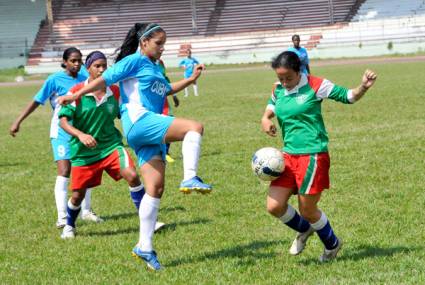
{"points": [[96, 145], [296, 102]]}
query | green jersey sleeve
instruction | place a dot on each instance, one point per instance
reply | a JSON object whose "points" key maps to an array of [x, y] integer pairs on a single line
{"points": [[271, 103], [67, 111], [334, 92]]}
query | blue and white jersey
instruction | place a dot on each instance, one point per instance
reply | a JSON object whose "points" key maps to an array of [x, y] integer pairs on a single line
{"points": [[303, 56], [57, 85], [189, 64], [143, 87]]}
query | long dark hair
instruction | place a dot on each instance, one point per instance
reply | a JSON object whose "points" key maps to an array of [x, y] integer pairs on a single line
{"points": [[287, 59], [134, 35], [67, 53]]}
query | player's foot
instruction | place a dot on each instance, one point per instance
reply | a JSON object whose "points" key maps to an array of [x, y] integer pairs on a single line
{"points": [[148, 257], [159, 226], [195, 184], [68, 232], [169, 158], [61, 222], [300, 242], [329, 254], [91, 217]]}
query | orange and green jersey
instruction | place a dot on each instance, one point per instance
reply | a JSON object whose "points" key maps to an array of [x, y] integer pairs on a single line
{"points": [[299, 113], [94, 117]]}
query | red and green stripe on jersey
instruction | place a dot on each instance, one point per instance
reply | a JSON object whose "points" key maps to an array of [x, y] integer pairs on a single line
{"points": [[299, 113], [94, 116]]}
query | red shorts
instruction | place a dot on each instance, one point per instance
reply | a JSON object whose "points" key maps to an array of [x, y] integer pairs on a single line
{"points": [[87, 176], [308, 174]]}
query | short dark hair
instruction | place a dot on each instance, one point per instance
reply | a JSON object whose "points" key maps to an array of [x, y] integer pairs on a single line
{"points": [[295, 36], [287, 59], [67, 53]]}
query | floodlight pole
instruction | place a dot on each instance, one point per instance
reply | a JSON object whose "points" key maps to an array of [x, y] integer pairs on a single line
{"points": [[194, 18], [49, 11], [331, 12]]}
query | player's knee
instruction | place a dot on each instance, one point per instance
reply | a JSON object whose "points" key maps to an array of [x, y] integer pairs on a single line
{"points": [[309, 213], [197, 127], [77, 198], [132, 177], [276, 209]]}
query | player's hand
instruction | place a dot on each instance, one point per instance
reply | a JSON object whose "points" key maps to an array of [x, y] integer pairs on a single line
{"points": [[176, 101], [67, 99], [197, 71], [369, 78], [87, 140], [14, 129], [268, 127]]}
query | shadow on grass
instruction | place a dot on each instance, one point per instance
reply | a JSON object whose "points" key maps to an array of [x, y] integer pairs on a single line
{"points": [[11, 164], [172, 226], [173, 209], [247, 254], [120, 216], [112, 232], [367, 251]]}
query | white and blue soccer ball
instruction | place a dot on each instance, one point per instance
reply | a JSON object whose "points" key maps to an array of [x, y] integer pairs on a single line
{"points": [[268, 163]]}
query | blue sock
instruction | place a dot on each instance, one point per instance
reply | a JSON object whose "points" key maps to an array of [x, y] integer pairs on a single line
{"points": [[72, 212], [293, 220], [325, 232], [136, 194]]}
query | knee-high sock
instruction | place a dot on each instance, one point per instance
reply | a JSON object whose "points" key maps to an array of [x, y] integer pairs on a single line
{"points": [[195, 89], [293, 220], [136, 194], [186, 92], [61, 195], [191, 149], [72, 213], [148, 213], [86, 204], [325, 232]]}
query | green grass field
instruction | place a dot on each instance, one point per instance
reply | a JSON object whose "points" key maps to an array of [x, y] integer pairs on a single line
{"points": [[376, 203]]}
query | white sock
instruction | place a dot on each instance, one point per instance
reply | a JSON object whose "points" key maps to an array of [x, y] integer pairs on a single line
{"points": [[148, 213], [191, 148], [195, 89], [86, 203], [186, 92], [61, 195]]}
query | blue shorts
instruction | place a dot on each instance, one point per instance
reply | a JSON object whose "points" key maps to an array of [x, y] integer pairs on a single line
{"points": [[146, 136], [60, 148]]}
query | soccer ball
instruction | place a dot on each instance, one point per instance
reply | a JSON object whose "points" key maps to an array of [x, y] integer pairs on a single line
{"points": [[268, 163]]}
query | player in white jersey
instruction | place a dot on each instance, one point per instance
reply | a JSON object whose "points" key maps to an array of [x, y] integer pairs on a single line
{"points": [[56, 85]]}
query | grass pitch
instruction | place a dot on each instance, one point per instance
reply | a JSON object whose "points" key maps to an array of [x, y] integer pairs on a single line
{"points": [[375, 205]]}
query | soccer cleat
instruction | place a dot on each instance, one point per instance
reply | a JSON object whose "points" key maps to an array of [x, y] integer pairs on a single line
{"points": [[195, 184], [159, 226], [329, 254], [68, 232], [300, 242], [148, 257], [169, 158], [61, 222], [91, 217]]}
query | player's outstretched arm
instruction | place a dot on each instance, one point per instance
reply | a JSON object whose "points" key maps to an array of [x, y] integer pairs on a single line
{"points": [[85, 139], [368, 79], [97, 84], [14, 128], [182, 84], [267, 124]]}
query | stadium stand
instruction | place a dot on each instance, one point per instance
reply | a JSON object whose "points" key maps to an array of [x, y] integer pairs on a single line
{"points": [[19, 23]]}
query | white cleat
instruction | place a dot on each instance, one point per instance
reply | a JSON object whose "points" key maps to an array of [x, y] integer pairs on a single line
{"points": [[68, 232], [330, 254], [61, 222], [300, 242], [91, 217], [159, 226]]}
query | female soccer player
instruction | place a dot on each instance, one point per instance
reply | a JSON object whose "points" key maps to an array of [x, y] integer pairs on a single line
{"points": [[296, 102], [143, 88], [96, 145], [56, 85], [188, 64], [302, 54]]}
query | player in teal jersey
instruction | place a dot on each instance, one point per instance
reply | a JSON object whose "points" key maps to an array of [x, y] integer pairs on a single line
{"points": [[296, 102], [96, 145], [302, 54], [57, 85], [188, 64]]}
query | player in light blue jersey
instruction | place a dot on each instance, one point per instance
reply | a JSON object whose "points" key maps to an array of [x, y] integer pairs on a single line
{"points": [[302, 54], [188, 64], [143, 88], [56, 85]]}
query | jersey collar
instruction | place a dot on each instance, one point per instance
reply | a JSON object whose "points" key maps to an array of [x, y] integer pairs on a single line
{"points": [[104, 98], [303, 82]]}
